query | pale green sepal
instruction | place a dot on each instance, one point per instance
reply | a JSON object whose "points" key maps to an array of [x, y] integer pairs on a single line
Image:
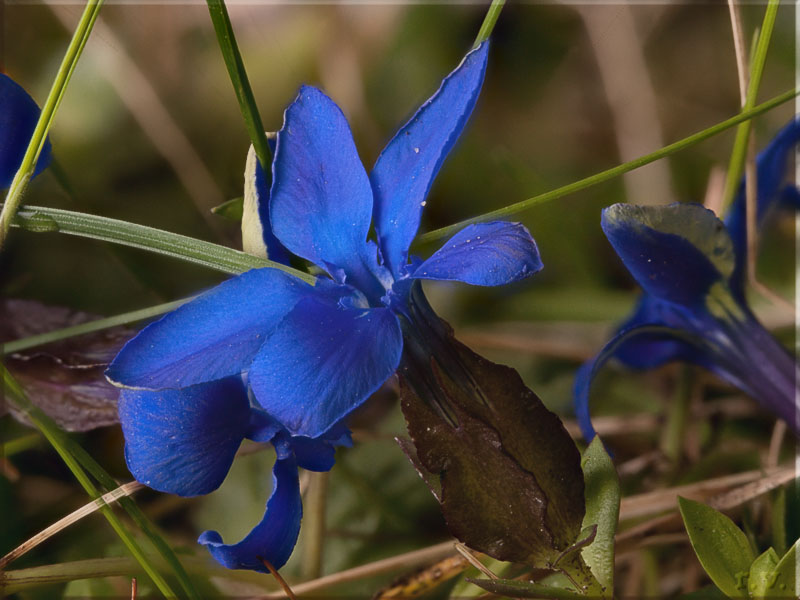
{"points": [[230, 209], [602, 509], [720, 545], [252, 232]]}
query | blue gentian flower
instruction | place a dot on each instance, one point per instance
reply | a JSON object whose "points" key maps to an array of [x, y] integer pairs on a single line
{"points": [[269, 357], [18, 117], [692, 268]]}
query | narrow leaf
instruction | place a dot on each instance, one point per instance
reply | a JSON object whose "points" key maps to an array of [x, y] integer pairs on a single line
{"points": [[720, 545], [602, 510]]}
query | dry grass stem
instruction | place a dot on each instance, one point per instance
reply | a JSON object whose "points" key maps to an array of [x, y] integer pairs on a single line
{"points": [[386, 565], [109, 498]]}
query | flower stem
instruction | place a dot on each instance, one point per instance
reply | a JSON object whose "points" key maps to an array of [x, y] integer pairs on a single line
{"points": [[739, 153], [489, 22], [39, 137], [241, 84], [604, 176], [57, 439]]}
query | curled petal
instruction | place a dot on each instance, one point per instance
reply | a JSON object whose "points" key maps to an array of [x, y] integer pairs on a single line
{"points": [[213, 336], [649, 352], [257, 236], [321, 204], [183, 441], [484, 254], [322, 362], [406, 168], [274, 537], [676, 252], [18, 117], [639, 334]]}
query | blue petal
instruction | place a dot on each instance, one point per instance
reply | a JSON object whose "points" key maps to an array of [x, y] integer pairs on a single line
{"points": [[211, 337], [183, 441], [648, 352], [257, 236], [321, 204], [274, 537], [322, 362], [406, 168], [676, 252], [484, 254], [18, 117], [643, 333], [772, 169]]}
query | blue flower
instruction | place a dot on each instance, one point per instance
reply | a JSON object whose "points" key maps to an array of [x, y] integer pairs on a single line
{"points": [[691, 267], [310, 354], [18, 117]]}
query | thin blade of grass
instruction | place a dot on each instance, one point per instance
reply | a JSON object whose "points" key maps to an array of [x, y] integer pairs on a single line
{"points": [[609, 174], [736, 165], [61, 444], [39, 137], [241, 84]]}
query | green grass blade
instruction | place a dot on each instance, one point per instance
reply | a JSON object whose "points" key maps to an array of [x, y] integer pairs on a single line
{"points": [[39, 137], [64, 446], [736, 165], [214, 256], [89, 327], [241, 84], [604, 176]]}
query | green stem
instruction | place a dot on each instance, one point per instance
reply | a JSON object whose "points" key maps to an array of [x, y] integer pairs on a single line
{"points": [[20, 444], [39, 137], [89, 327], [604, 176], [241, 84], [489, 21], [58, 440], [736, 165], [314, 525], [678, 412], [214, 256]]}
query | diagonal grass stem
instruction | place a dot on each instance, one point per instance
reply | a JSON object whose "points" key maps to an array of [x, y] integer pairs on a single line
{"points": [[609, 174], [739, 154], [60, 443], [20, 182]]}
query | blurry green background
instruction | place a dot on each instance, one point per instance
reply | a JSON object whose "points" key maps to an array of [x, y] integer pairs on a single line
{"points": [[149, 131]]}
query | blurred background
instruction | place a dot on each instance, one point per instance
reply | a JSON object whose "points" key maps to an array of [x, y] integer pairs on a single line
{"points": [[150, 131]]}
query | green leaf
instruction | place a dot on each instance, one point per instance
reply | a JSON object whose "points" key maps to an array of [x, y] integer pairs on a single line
{"points": [[761, 573], [782, 582], [602, 509], [511, 484], [721, 547], [524, 589], [231, 210]]}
